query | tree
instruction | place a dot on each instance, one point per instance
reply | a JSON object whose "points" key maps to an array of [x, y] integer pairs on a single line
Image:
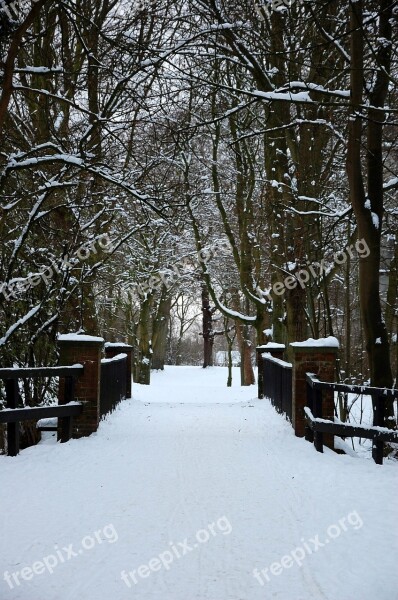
{"points": [[367, 198]]}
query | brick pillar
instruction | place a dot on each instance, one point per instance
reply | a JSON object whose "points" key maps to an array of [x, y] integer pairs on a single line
{"points": [[85, 350], [277, 351], [319, 359], [112, 349]]}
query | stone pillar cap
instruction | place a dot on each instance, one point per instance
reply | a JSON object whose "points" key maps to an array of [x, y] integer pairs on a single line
{"points": [[271, 346], [117, 345], [78, 337], [329, 342]]}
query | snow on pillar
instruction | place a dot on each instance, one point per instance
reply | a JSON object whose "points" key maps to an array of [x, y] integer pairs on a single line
{"points": [[113, 349], [85, 350], [318, 357]]}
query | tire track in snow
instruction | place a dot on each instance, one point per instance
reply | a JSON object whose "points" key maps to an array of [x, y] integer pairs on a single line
{"points": [[305, 571], [194, 459]]}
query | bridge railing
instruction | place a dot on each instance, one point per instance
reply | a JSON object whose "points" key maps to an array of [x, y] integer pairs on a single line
{"points": [[113, 388], [277, 383], [304, 391], [317, 425], [97, 385], [12, 415]]}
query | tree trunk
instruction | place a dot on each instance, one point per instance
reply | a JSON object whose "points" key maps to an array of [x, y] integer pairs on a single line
{"points": [[230, 343], [144, 355], [348, 267], [160, 330], [369, 208], [245, 346], [208, 337], [392, 309]]}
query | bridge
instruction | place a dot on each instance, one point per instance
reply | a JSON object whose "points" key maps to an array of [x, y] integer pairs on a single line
{"points": [[194, 490]]}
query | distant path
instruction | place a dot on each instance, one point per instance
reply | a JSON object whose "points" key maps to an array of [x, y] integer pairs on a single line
{"points": [[188, 459]]}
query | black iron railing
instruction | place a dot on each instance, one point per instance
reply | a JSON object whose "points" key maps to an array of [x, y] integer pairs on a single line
{"points": [[113, 383], [277, 383], [317, 426]]}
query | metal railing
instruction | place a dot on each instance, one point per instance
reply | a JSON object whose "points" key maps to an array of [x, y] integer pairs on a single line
{"points": [[277, 383], [113, 383]]}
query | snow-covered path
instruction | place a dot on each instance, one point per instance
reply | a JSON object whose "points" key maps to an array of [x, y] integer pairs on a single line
{"points": [[191, 486]]}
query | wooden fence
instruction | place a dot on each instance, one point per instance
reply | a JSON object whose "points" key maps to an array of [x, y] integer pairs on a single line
{"points": [[113, 383], [13, 415], [307, 400], [98, 385], [317, 425], [277, 383]]}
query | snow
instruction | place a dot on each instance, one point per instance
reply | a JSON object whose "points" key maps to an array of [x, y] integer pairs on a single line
{"points": [[39, 408], [50, 422], [340, 444], [393, 182], [278, 361], [117, 345], [186, 454], [364, 428], [39, 70], [287, 96], [55, 369], [235, 314], [221, 358], [329, 342], [19, 323], [319, 88], [120, 356], [271, 346], [78, 337], [375, 220]]}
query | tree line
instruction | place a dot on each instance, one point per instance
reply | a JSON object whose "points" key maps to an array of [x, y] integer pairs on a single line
{"points": [[268, 129]]}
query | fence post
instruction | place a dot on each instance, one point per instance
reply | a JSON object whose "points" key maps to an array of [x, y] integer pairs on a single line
{"points": [[308, 433], [12, 393], [85, 350], [113, 349], [318, 357], [65, 424], [318, 399], [277, 351], [378, 420]]}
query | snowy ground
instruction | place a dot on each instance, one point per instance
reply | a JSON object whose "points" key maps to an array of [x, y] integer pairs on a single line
{"points": [[190, 487]]}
